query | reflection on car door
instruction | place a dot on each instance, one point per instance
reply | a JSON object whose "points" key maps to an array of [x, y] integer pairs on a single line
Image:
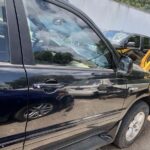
{"points": [[13, 83], [73, 87], [13, 99], [72, 99]]}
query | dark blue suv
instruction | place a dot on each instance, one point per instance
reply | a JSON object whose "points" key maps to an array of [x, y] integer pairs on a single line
{"points": [[62, 84]]}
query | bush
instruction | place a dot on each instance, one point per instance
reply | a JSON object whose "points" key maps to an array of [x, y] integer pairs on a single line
{"points": [[144, 4], [63, 58], [44, 56]]}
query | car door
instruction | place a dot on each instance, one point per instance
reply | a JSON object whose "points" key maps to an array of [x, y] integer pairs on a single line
{"points": [[73, 85], [13, 83]]}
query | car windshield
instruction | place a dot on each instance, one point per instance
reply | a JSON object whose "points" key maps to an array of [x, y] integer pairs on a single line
{"points": [[115, 36]]}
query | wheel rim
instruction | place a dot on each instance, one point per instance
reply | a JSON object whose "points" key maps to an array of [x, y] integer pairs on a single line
{"points": [[38, 110], [135, 126]]}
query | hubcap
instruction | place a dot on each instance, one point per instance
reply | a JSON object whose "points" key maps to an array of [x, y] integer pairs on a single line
{"points": [[135, 126], [38, 111]]}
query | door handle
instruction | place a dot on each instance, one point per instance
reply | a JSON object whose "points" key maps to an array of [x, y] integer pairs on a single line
{"points": [[46, 86], [51, 81], [47, 83]]}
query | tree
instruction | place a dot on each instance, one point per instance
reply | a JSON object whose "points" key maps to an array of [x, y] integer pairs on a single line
{"points": [[142, 4]]}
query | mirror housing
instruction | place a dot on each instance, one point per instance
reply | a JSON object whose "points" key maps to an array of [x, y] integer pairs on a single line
{"points": [[131, 44], [125, 66]]}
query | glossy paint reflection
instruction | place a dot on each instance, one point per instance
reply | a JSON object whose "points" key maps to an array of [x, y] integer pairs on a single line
{"points": [[13, 97], [79, 97]]}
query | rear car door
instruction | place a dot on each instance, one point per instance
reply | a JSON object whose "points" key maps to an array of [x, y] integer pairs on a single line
{"points": [[13, 83], [73, 87]]}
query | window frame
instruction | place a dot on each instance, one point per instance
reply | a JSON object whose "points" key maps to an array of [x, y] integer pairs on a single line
{"points": [[134, 35], [25, 36], [15, 56], [145, 37]]}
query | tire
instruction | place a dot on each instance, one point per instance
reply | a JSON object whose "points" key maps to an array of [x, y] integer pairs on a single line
{"points": [[130, 128], [24, 113]]}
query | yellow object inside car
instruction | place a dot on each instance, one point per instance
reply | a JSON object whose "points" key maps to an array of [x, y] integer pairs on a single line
{"points": [[145, 63], [123, 51]]}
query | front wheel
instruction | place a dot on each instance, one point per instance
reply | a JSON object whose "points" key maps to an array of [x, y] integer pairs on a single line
{"points": [[34, 111], [132, 125]]}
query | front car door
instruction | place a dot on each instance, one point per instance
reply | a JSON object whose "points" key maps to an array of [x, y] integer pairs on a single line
{"points": [[73, 87]]}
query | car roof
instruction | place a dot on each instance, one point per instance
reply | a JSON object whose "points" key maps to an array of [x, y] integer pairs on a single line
{"points": [[130, 34]]}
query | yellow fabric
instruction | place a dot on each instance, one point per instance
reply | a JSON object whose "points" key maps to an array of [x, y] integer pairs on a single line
{"points": [[145, 63], [122, 51]]}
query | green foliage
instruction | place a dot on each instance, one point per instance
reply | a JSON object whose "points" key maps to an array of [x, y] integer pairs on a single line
{"points": [[142, 4], [49, 57], [63, 58], [44, 55]]}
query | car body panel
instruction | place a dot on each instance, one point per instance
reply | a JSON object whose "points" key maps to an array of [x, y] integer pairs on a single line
{"points": [[84, 100], [90, 105], [13, 84]]}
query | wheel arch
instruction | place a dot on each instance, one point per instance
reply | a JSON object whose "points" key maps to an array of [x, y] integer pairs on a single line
{"points": [[146, 99]]}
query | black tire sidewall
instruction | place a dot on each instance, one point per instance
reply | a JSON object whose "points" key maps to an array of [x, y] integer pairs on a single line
{"points": [[121, 137]]}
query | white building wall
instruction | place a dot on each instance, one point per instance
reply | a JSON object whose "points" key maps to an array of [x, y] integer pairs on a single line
{"points": [[110, 15]]}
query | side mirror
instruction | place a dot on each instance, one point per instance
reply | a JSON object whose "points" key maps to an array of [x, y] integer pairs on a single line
{"points": [[131, 44], [125, 66]]}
